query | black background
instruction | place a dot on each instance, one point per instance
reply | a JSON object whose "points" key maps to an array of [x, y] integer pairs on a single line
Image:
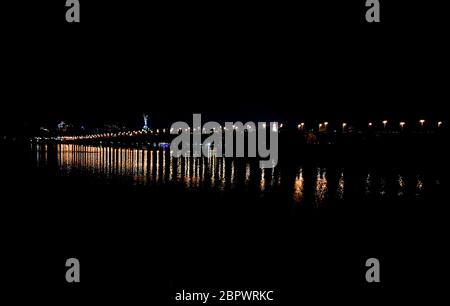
{"points": [[317, 59]]}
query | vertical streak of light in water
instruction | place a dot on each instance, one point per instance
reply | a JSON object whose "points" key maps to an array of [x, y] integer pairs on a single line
{"points": [[341, 185], [212, 168], [45, 155], [247, 174], [223, 177], [58, 146], [116, 160], [38, 155], [121, 161], [157, 167], [194, 164], [187, 175], [198, 171], [368, 185], [233, 177], [151, 165], [171, 178], [272, 177], [321, 186], [419, 185], [262, 182], [203, 170], [144, 165], [163, 152], [401, 185], [179, 169], [298, 187]]}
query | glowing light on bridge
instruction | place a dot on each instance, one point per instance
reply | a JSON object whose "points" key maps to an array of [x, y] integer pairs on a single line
{"points": [[274, 127]]}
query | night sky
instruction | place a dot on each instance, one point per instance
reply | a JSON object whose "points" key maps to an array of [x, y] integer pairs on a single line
{"points": [[261, 61]]}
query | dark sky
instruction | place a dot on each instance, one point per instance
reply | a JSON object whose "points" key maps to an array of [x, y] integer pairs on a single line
{"points": [[258, 61]]}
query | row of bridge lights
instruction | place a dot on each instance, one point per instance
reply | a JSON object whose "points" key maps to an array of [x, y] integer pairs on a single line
{"points": [[402, 124], [234, 127], [157, 131], [300, 126], [109, 135]]}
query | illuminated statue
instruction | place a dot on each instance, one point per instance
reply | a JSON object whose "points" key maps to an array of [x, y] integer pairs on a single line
{"points": [[145, 122]]}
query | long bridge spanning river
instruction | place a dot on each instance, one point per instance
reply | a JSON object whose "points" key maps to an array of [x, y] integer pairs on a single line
{"points": [[324, 133]]}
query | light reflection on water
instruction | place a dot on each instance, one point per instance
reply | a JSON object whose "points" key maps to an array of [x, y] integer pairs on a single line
{"points": [[298, 187], [321, 185], [156, 166]]}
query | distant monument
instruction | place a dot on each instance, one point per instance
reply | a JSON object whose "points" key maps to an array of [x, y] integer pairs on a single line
{"points": [[145, 127]]}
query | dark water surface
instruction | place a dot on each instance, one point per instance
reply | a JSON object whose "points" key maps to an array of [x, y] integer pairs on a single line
{"points": [[301, 182], [139, 219]]}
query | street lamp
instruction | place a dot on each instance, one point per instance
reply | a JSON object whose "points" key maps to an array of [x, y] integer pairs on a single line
{"points": [[402, 124], [384, 123], [421, 122], [370, 124], [439, 123]]}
